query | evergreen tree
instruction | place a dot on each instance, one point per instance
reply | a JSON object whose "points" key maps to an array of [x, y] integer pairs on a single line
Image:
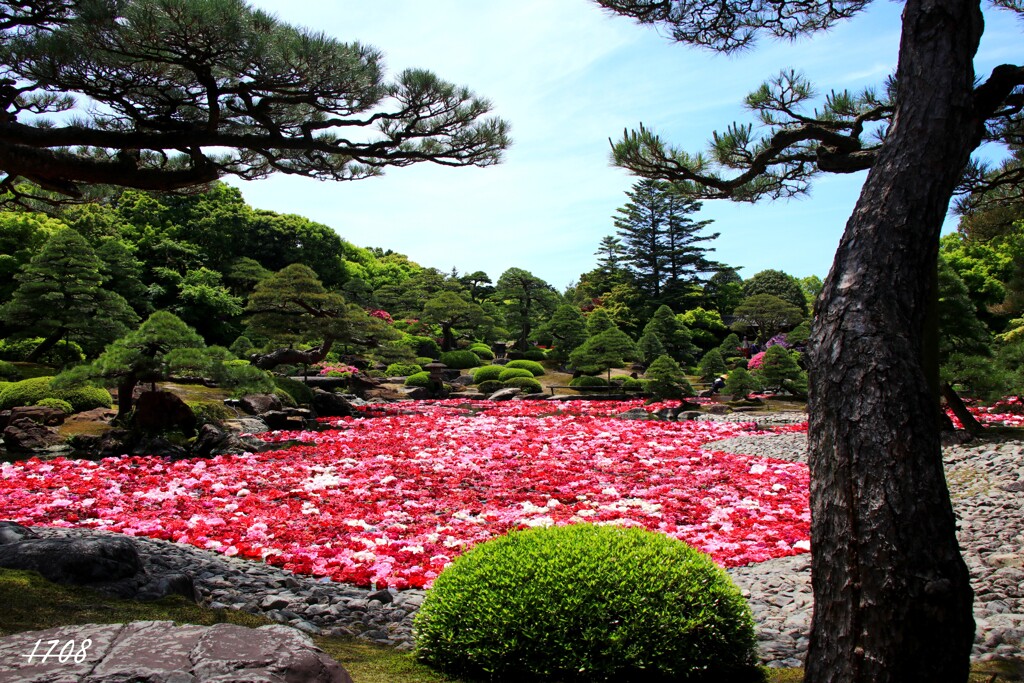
{"points": [[673, 334], [649, 347], [740, 383], [60, 295], [528, 302], [665, 379], [568, 329], [777, 283], [660, 242], [730, 346], [768, 314], [608, 349], [711, 365], [723, 292], [451, 311], [779, 369], [598, 321]]}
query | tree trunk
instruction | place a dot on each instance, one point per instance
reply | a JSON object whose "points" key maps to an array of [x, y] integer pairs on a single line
{"points": [[46, 345], [967, 420], [892, 595], [125, 396], [269, 361]]}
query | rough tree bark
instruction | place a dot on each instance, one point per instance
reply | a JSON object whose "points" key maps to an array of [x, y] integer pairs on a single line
{"points": [[893, 600]]}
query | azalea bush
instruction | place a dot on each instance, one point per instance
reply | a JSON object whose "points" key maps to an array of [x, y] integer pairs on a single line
{"points": [[487, 372], [535, 368], [394, 496], [587, 603]]}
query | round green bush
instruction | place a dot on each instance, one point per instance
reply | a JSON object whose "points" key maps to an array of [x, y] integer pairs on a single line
{"points": [[299, 391], [419, 379], [632, 384], [587, 603], [483, 351], [535, 354], [490, 386], [487, 372], [528, 384], [210, 412], [29, 392], [535, 368], [402, 369], [423, 360], [588, 381], [508, 373], [64, 353], [58, 403], [460, 360], [421, 346], [9, 371]]}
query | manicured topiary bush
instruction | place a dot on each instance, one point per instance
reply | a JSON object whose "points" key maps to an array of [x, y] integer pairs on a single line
{"points": [[402, 369], [587, 603], [490, 386], [422, 361], [535, 368], [483, 351], [29, 392], [508, 373], [584, 381], [633, 384], [419, 379], [9, 371], [665, 379], [460, 360], [535, 354], [528, 384], [299, 391], [58, 403], [487, 372], [64, 353]]}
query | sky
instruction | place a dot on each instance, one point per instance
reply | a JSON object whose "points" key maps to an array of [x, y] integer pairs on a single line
{"points": [[568, 76]]}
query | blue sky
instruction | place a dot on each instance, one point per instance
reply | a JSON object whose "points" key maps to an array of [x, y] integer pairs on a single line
{"points": [[568, 76]]}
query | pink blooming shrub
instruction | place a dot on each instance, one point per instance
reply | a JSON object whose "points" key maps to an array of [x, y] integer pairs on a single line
{"points": [[338, 370], [755, 361], [383, 315], [394, 498]]}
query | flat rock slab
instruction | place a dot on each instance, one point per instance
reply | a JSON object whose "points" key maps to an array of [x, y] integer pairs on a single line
{"points": [[160, 652]]}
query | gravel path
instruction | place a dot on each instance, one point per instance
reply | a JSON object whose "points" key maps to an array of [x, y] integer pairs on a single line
{"points": [[987, 484]]}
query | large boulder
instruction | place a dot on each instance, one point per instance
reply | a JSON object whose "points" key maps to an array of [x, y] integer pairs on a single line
{"points": [[506, 394], [257, 404], [109, 564], [212, 440], [162, 411], [329, 404], [161, 652], [51, 417], [25, 434]]}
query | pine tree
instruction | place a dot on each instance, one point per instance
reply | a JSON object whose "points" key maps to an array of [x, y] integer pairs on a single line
{"points": [[711, 365], [665, 379], [603, 351], [649, 347], [60, 295], [673, 334], [568, 329]]}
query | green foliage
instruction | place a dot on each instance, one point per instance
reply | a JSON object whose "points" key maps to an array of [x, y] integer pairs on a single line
{"points": [[402, 369], [665, 379], [800, 334], [487, 372], [483, 351], [535, 355], [64, 353], [779, 284], [460, 360], [526, 301], [634, 384], [779, 369], [673, 334], [730, 346], [587, 381], [711, 365], [528, 384], [490, 386], [246, 379], [705, 326], [210, 412], [29, 392], [768, 314], [567, 329], [299, 391], [604, 351], [508, 373], [535, 368], [9, 371], [420, 379], [739, 383], [649, 347], [241, 347], [598, 321], [58, 403], [585, 603], [424, 360], [423, 347]]}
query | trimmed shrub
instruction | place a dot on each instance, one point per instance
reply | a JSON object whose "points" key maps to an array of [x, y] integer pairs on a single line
{"points": [[58, 403], [535, 368], [241, 347], [421, 346], [64, 353], [509, 373], [287, 400], [242, 379], [490, 386], [588, 381], [535, 354], [528, 384], [487, 372], [420, 379], [423, 360], [633, 384], [483, 351], [460, 360], [665, 379], [299, 391], [29, 392], [739, 383], [642, 607], [9, 371], [402, 369]]}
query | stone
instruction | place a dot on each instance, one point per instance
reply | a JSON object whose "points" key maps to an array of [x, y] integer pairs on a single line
{"points": [[461, 381], [25, 434], [384, 596], [212, 440], [719, 409], [160, 652], [159, 445], [329, 404], [161, 411], [469, 395], [51, 417], [415, 393], [506, 394], [110, 564], [635, 414], [257, 404], [12, 532]]}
